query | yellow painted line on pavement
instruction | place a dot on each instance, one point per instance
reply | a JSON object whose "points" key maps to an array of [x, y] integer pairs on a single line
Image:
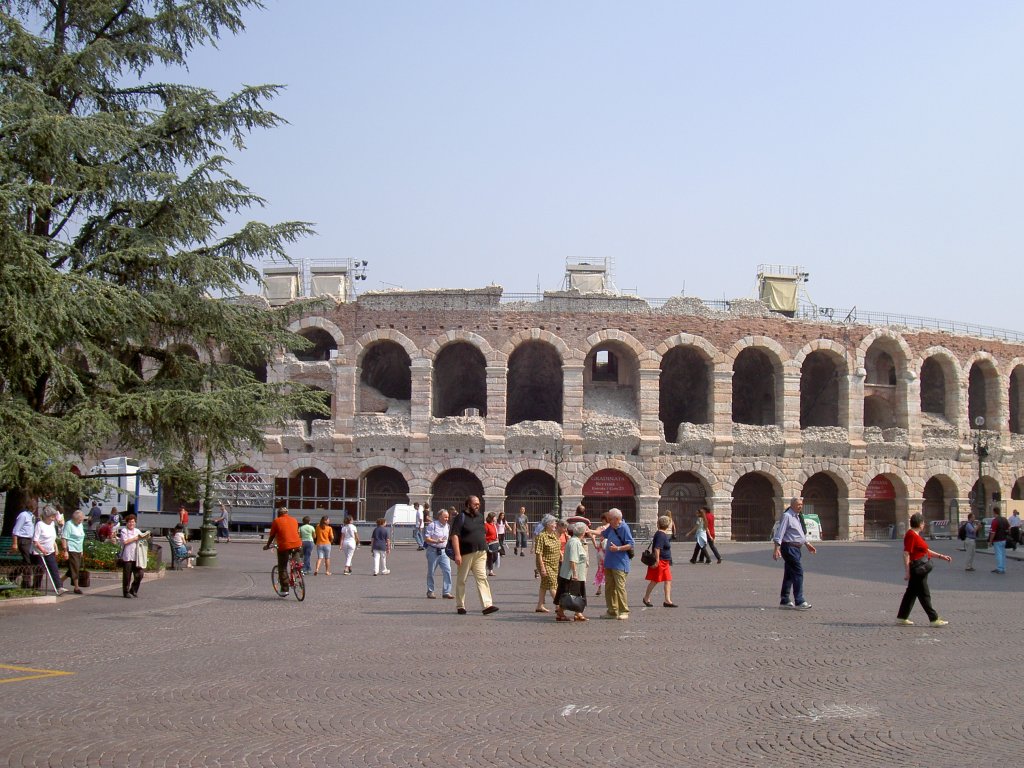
{"points": [[36, 673]]}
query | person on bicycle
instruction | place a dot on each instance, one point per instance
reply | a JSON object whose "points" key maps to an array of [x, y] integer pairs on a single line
{"points": [[285, 531]]}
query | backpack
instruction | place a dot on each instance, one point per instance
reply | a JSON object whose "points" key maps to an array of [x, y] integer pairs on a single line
{"points": [[962, 531]]}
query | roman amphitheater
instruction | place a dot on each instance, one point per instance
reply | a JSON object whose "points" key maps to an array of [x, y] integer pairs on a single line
{"points": [[652, 407]]}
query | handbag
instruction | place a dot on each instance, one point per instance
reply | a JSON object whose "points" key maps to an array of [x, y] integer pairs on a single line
{"points": [[647, 557], [573, 603], [921, 567], [493, 547]]}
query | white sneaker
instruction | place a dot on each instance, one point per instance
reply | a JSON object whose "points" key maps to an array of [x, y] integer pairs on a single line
{"points": [[905, 622], [804, 606], [938, 623], [385, 571], [786, 605]]}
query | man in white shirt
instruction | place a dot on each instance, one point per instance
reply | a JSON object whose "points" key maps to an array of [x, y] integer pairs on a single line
{"points": [[23, 531], [1014, 522], [418, 530]]}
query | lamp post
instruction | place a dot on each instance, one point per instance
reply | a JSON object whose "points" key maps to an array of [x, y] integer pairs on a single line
{"points": [[981, 451], [558, 456]]}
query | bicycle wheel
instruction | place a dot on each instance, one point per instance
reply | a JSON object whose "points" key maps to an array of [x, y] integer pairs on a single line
{"points": [[276, 582], [298, 585]]}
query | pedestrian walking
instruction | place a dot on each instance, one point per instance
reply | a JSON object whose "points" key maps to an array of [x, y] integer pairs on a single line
{"points": [[44, 546], [470, 548], [436, 539], [572, 576], [349, 542], [307, 534], [132, 570], [998, 533], [700, 534], [73, 535], [491, 538], [548, 552], [380, 546], [522, 533], [661, 571], [323, 538], [970, 540], [917, 564], [789, 539]]}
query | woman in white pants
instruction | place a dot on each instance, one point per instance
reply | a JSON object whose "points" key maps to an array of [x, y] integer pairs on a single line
{"points": [[381, 546], [349, 542]]}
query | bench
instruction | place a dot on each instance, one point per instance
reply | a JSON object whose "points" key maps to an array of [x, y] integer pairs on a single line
{"points": [[6, 556], [177, 561]]}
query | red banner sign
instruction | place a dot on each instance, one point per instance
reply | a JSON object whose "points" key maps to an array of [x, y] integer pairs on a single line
{"points": [[608, 482], [880, 489]]}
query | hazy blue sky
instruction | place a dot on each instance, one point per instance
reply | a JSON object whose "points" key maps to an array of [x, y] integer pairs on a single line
{"points": [[456, 144]]}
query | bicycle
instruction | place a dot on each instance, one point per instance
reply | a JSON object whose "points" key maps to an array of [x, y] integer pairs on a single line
{"points": [[296, 581]]}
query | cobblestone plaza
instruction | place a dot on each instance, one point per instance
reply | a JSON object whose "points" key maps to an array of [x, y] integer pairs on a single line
{"points": [[210, 668]]}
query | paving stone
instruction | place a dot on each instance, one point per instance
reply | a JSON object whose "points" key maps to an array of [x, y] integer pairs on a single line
{"points": [[209, 667]]}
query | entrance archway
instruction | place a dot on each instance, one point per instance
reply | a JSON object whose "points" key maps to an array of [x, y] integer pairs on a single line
{"points": [[879, 508], [821, 498], [385, 486], [608, 488], [451, 488], [682, 495], [753, 508], [533, 489]]}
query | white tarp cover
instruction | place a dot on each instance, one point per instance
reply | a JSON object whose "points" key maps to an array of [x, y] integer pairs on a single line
{"points": [[587, 282], [779, 293], [400, 514]]}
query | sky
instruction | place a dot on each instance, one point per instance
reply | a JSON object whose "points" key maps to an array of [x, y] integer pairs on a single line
{"points": [[877, 145]]}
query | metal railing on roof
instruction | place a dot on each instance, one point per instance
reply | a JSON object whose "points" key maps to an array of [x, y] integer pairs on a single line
{"points": [[815, 313]]}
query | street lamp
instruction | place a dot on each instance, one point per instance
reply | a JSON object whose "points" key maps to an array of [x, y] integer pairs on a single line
{"points": [[558, 454], [981, 450]]}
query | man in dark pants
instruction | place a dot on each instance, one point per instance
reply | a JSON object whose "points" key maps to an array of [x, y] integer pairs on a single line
{"points": [[23, 533], [789, 539]]}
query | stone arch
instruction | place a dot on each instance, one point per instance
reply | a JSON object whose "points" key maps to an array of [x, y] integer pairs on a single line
{"points": [[767, 468], [842, 477], [1015, 396], [685, 387], [758, 384], [538, 334], [613, 334], [383, 486], [823, 367], [714, 356], [535, 383], [681, 499], [306, 462], [438, 343], [532, 487], [384, 334], [611, 375], [459, 380], [315, 321], [890, 339], [384, 362], [753, 507], [939, 376], [705, 473], [984, 391]]}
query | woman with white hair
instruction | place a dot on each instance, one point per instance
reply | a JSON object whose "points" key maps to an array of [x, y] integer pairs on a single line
{"points": [[572, 576], [549, 551]]}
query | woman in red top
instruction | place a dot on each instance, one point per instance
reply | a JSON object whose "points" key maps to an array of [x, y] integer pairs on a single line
{"points": [[491, 537], [917, 563]]}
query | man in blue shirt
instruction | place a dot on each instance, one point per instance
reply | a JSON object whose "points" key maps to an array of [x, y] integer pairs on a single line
{"points": [[619, 543], [789, 539]]}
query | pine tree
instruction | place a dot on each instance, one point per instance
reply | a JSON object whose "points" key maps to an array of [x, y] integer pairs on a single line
{"points": [[122, 320]]}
